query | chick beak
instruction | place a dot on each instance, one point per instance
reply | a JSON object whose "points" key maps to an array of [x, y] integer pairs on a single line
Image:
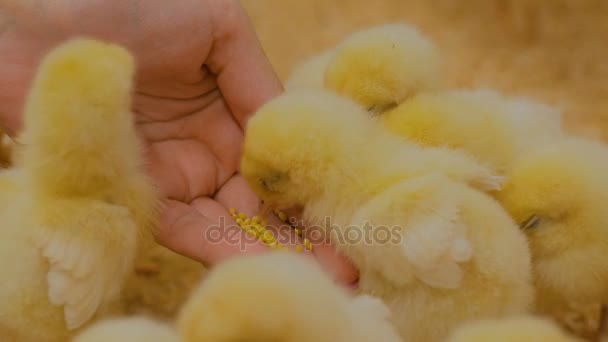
{"points": [[531, 222]]}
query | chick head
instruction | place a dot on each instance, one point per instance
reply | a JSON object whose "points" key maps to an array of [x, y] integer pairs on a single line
{"points": [[272, 297], [382, 66], [77, 74], [296, 140], [557, 194], [512, 329]]}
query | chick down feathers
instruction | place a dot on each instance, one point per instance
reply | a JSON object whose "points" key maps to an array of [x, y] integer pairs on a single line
{"points": [[382, 66], [132, 329], [493, 128], [451, 253], [279, 297], [512, 329], [80, 197], [557, 195]]}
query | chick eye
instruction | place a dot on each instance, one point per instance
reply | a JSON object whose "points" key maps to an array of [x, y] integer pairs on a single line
{"points": [[270, 183], [530, 223], [264, 183], [380, 108]]}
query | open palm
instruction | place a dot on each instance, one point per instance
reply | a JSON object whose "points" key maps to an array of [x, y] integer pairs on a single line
{"points": [[201, 74]]}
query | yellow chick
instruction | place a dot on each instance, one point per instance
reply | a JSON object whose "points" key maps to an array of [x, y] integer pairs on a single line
{"points": [[279, 297], [493, 128], [382, 66], [512, 329], [557, 194], [310, 73], [449, 258], [270, 173], [79, 196], [437, 251], [133, 329]]}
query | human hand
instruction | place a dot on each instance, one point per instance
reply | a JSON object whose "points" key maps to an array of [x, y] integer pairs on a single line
{"points": [[201, 74]]}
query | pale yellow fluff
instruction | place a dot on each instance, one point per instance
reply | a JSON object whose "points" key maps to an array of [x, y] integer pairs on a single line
{"points": [[494, 128], [132, 329], [513, 329], [381, 66], [282, 151], [452, 255], [558, 195], [76, 200], [279, 297]]}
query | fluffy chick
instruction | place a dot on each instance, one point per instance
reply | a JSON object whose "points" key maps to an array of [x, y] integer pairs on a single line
{"points": [[449, 253], [279, 297], [133, 329], [557, 194], [380, 67], [512, 329], [310, 73], [78, 192], [493, 128], [270, 173]]}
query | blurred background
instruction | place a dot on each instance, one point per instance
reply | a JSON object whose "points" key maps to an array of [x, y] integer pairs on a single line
{"points": [[553, 50]]}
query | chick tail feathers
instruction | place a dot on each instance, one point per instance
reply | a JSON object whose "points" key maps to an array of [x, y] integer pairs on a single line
{"points": [[79, 132]]}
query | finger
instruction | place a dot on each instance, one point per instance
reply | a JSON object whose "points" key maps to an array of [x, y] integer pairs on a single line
{"points": [[342, 269], [237, 194], [287, 235], [183, 169], [204, 232], [244, 74]]}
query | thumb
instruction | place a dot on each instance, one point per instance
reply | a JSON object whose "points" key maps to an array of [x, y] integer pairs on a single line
{"points": [[244, 74], [210, 238]]}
